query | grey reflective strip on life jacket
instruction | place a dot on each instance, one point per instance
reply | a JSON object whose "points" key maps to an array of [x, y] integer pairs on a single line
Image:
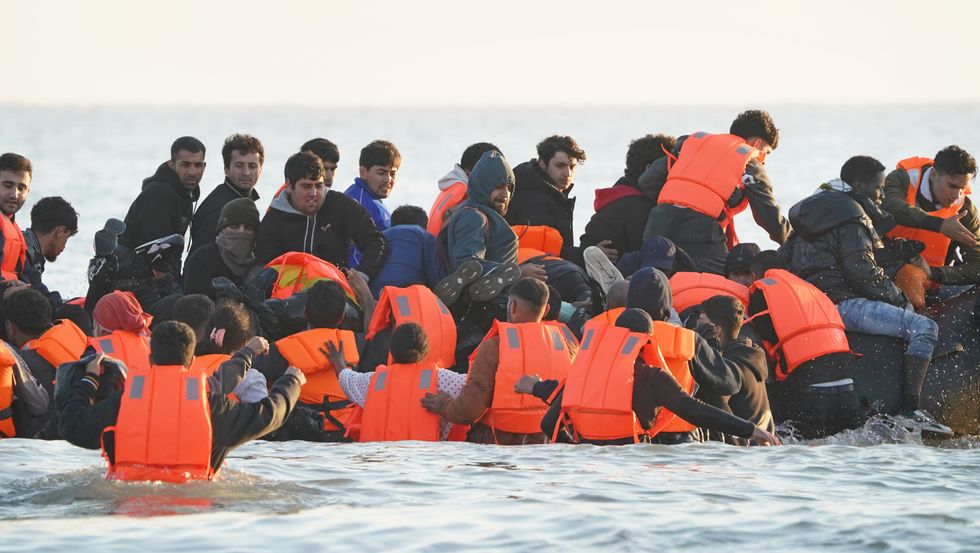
{"points": [[743, 150], [556, 341], [425, 379], [404, 310], [513, 339], [630, 344], [587, 339], [193, 389], [136, 390], [379, 380], [105, 345]]}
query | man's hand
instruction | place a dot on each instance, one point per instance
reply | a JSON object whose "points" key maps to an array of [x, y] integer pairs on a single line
{"points": [[762, 437], [94, 367], [258, 345], [956, 232], [606, 247], [435, 403], [359, 285], [525, 384], [297, 373], [14, 286], [335, 355], [534, 270]]}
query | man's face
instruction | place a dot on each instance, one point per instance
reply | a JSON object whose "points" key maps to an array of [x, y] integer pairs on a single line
{"points": [[59, 239], [14, 186], [189, 168], [948, 189], [741, 276], [500, 198], [307, 195], [380, 179], [561, 170], [329, 170], [244, 170], [760, 144], [241, 228], [874, 190]]}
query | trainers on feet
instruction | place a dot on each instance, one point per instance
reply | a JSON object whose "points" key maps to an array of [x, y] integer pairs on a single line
{"points": [[600, 268], [115, 226], [496, 281], [105, 243], [449, 289], [925, 423]]}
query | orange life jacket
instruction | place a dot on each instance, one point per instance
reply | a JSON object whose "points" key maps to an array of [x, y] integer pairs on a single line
{"points": [[163, 431], [598, 393], [442, 208], [806, 322], [298, 271], [937, 243], [608, 316], [129, 347], [690, 289], [392, 409], [210, 362], [525, 348], [677, 349], [63, 343], [417, 304], [708, 170], [537, 240], [14, 249], [7, 362], [322, 389]]}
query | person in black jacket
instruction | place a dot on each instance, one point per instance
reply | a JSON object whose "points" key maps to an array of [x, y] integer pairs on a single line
{"points": [[86, 410], [243, 156], [308, 218], [231, 252], [166, 203], [542, 188], [833, 246]]}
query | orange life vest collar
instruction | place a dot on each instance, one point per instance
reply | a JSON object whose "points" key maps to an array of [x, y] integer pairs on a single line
{"points": [[7, 429], [418, 304], [63, 343], [129, 347], [14, 249], [690, 289], [444, 205]]}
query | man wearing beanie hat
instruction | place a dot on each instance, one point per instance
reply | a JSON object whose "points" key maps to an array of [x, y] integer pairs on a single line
{"points": [[738, 263], [231, 253]]}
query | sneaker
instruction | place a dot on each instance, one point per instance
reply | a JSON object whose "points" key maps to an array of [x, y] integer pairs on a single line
{"points": [[600, 268], [105, 243], [496, 281], [450, 288], [115, 226], [925, 423]]}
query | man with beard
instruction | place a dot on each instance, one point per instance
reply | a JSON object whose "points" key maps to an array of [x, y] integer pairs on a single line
{"points": [[243, 156], [53, 222], [15, 183], [230, 254], [166, 203]]}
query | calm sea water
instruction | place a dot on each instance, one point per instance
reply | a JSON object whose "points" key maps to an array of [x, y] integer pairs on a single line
{"points": [[873, 489]]}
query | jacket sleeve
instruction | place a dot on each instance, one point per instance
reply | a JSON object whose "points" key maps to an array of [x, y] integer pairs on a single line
{"points": [[231, 372], [272, 365], [204, 228], [477, 393], [967, 272], [859, 268], [269, 244], [467, 238], [27, 390], [668, 393], [897, 185], [242, 422], [367, 238], [196, 277], [431, 267], [713, 373], [651, 182], [762, 202], [81, 419]]}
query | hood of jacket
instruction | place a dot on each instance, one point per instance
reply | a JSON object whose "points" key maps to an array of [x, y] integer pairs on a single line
{"points": [[622, 189], [825, 210], [532, 177], [167, 175], [490, 172], [650, 291], [281, 203], [452, 177]]}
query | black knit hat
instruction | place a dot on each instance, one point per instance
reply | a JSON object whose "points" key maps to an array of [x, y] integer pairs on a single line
{"points": [[240, 211], [740, 257]]}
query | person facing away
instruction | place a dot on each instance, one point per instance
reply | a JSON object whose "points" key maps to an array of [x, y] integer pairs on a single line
{"points": [[413, 258], [230, 328], [194, 310], [230, 254], [452, 186], [122, 329], [928, 198], [165, 205], [138, 445], [833, 247], [707, 179], [27, 375], [243, 156], [308, 218]]}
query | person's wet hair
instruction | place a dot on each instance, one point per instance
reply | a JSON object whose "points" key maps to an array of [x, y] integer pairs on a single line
{"points": [[303, 165], [194, 310], [635, 320], [409, 215], [230, 327], [473, 153], [756, 123], [765, 260], [53, 212], [325, 302], [644, 151], [16, 163], [323, 149], [380, 152], [29, 310], [172, 343], [531, 291], [725, 312], [550, 146], [244, 144], [953, 160], [408, 343], [860, 171], [186, 144]]}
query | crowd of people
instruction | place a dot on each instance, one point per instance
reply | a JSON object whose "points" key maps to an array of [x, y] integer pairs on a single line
{"points": [[332, 318]]}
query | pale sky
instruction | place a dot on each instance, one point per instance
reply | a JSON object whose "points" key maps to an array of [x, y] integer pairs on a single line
{"points": [[340, 52]]}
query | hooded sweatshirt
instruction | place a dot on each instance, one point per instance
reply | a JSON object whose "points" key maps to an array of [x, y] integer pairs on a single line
{"points": [[621, 213], [164, 207], [475, 230], [327, 234], [204, 228], [452, 177]]}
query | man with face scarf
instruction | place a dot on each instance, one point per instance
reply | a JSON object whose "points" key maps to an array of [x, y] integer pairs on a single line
{"points": [[231, 253]]}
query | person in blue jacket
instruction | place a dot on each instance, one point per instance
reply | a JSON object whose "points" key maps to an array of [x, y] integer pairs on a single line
{"points": [[412, 257], [378, 168]]}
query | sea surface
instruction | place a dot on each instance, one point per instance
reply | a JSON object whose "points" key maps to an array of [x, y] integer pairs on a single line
{"points": [[875, 489]]}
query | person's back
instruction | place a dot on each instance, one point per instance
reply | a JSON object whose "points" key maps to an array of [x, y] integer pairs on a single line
{"points": [[413, 258]]}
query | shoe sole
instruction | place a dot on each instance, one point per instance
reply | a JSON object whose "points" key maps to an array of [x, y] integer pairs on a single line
{"points": [[598, 266], [495, 282], [105, 243], [450, 288], [115, 226]]}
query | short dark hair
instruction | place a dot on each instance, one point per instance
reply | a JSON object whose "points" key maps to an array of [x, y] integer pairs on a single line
{"points": [[756, 123], [644, 151], [550, 146], [725, 312], [408, 343], [474, 152], [16, 163], [172, 343], [187, 144], [53, 212], [531, 291], [303, 165], [379, 152], [409, 215], [953, 160], [323, 149], [236, 322], [194, 310], [860, 170], [635, 320], [244, 144], [765, 260], [325, 303], [29, 310]]}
